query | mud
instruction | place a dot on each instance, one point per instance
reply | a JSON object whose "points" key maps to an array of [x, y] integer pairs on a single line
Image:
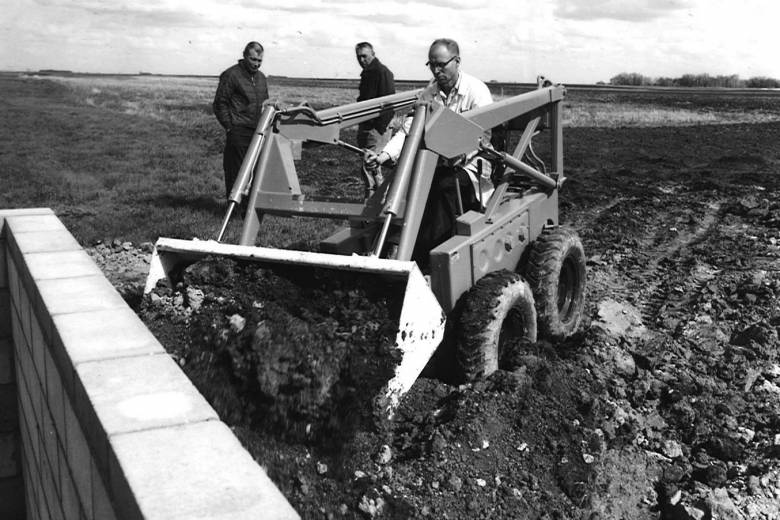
{"points": [[665, 404]]}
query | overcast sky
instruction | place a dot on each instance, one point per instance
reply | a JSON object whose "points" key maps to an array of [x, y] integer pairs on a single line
{"points": [[570, 41]]}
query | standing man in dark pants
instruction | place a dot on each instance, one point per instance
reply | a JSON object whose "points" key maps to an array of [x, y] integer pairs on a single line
{"points": [[238, 104], [376, 80]]}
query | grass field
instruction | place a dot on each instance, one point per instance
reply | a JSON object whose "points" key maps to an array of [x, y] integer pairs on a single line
{"points": [[140, 157]]}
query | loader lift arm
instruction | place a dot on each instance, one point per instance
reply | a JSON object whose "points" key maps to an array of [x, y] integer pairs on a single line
{"points": [[438, 132]]}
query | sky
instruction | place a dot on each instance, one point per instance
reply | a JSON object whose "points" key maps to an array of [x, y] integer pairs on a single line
{"points": [[574, 41]]}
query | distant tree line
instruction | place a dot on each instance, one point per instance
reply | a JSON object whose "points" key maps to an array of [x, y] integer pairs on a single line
{"points": [[695, 80]]}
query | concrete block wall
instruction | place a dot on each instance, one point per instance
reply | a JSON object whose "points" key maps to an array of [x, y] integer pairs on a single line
{"points": [[11, 482], [108, 426]]}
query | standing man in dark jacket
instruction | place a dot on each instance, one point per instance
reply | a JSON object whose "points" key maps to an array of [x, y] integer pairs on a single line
{"points": [[238, 104], [376, 80]]}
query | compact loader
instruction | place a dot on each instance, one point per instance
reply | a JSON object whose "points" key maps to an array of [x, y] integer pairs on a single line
{"points": [[508, 274]]}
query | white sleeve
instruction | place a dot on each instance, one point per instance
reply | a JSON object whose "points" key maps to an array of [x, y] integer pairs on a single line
{"points": [[482, 95], [395, 145]]}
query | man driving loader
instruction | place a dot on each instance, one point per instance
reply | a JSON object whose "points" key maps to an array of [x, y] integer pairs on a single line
{"points": [[468, 176]]}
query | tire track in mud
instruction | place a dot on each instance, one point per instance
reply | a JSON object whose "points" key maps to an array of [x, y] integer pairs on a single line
{"points": [[658, 275], [674, 276]]}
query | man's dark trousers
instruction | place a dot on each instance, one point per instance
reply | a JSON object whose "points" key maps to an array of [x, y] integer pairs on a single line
{"points": [[441, 209], [236, 144]]}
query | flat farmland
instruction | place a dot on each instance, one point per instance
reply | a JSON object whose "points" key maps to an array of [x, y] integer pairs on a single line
{"points": [[664, 405], [137, 157]]}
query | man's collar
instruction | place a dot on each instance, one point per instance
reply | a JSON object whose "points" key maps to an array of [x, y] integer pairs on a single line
{"points": [[242, 63], [373, 65], [456, 87]]}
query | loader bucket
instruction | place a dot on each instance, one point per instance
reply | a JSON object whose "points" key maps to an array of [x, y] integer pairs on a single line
{"points": [[421, 319]]}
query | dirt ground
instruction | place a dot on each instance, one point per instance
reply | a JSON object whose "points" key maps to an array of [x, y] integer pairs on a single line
{"points": [[665, 405]]}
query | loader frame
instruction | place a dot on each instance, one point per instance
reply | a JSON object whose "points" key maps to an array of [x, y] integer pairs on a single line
{"points": [[523, 204], [484, 241]]}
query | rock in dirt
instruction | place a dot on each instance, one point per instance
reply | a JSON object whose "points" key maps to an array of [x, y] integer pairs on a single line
{"points": [[671, 449], [372, 507], [620, 319], [761, 333], [455, 483], [194, 298], [385, 455], [714, 475], [721, 506], [724, 448]]}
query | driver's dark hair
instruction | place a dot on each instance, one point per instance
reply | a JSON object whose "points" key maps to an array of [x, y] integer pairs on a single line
{"points": [[451, 45], [363, 45], [256, 46]]}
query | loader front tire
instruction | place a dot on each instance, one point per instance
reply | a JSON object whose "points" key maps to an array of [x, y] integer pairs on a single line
{"points": [[556, 273], [498, 315]]}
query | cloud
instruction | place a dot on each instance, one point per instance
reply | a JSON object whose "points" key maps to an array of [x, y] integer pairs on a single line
{"points": [[623, 10], [138, 14], [447, 4]]}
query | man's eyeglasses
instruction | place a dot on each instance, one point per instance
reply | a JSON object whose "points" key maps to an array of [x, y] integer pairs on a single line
{"points": [[433, 65]]}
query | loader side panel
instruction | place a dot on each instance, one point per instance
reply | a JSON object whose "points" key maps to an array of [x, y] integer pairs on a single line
{"points": [[458, 263], [481, 247]]}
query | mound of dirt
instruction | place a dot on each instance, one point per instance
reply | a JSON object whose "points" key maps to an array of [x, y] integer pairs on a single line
{"points": [[301, 350]]}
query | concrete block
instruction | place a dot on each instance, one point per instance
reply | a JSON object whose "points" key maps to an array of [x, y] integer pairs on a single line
{"points": [[27, 424], [101, 501], [30, 478], [55, 396], [79, 459], [38, 349], [80, 294], [23, 314], [6, 361], [71, 504], [104, 334], [5, 213], [13, 278], [62, 264], [34, 221], [140, 393], [3, 268], [43, 507], [53, 500], [30, 394], [9, 455], [17, 334], [5, 313], [72, 295], [51, 448], [193, 471], [43, 241], [47, 482]]}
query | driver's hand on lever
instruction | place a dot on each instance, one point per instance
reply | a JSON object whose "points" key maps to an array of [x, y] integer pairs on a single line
{"points": [[372, 159]]}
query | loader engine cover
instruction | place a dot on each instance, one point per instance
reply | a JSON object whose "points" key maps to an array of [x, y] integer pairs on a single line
{"points": [[294, 349]]}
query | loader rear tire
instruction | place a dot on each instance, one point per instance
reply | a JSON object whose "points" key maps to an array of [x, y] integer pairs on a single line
{"points": [[556, 273], [497, 316]]}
